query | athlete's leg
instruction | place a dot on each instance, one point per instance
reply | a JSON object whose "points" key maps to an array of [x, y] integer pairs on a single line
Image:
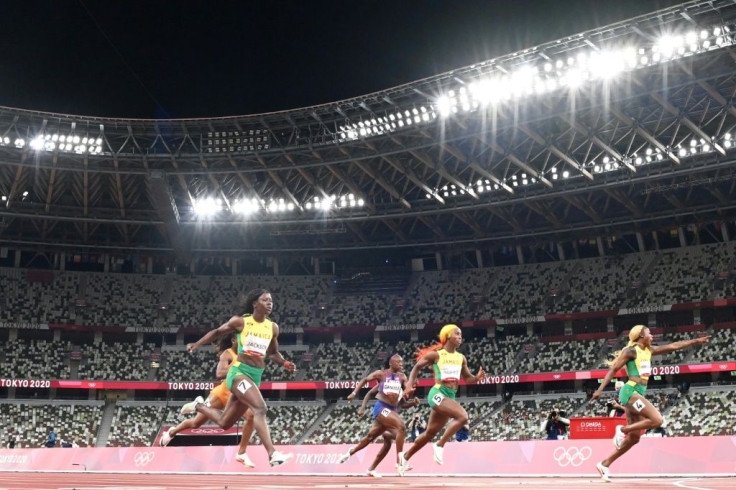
{"points": [[391, 420], [226, 417], [436, 422], [249, 394], [649, 416], [247, 431], [453, 410], [631, 440], [375, 431], [192, 422], [388, 439]]}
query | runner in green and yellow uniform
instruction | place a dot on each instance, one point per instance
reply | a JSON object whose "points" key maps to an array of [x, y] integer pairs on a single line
{"points": [[257, 338], [640, 414], [449, 367]]}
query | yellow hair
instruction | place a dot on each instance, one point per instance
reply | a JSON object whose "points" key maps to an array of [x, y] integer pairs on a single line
{"points": [[446, 331], [634, 335], [444, 334]]}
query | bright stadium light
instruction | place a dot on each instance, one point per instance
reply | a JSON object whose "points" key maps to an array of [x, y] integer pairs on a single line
{"points": [[37, 143], [206, 207], [246, 207], [576, 68]]}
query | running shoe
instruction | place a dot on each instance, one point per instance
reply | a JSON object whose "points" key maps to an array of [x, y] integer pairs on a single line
{"points": [[603, 470], [243, 458], [191, 406], [166, 438], [344, 457], [438, 452], [374, 474], [403, 464], [278, 458], [408, 467], [618, 439]]}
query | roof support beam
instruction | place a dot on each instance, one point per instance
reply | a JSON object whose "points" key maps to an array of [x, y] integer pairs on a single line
{"points": [[644, 133], [555, 151], [383, 183], [519, 163], [600, 143]]}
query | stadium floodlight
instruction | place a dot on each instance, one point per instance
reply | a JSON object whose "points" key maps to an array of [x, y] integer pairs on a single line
{"points": [[206, 207], [577, 67], [246, 207], [37, 143]]}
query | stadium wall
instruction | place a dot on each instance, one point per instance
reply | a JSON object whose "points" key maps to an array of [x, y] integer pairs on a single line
{"points": [[674, 456]]}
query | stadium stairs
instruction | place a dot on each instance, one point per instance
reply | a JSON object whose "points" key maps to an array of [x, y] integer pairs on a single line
{"points": [[105, 424]]}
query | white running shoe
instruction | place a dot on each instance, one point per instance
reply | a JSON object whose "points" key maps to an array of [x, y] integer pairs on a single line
{"points": [[408, 467], [438, 452], [618, 439], [402, 465], [344, 457], [278, 458], [166, 438], [374, 474], [191, 406], [400, 469], [243, 458], [603, 470]]}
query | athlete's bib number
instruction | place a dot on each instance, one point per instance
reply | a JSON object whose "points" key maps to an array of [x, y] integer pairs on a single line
{"points": [[437, 398], [385, 412], [243, 386], [392, 387], [256, 346]]}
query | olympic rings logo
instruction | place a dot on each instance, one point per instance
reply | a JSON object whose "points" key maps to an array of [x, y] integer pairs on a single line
{"points": [[207, 430], [571, 456], [142, 458]]}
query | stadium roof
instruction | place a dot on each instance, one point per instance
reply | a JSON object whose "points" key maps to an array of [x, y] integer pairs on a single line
{"points": [[619, 129]]}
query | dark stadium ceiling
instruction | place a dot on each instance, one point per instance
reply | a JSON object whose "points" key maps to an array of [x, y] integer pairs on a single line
{"points": [[541, 145]]}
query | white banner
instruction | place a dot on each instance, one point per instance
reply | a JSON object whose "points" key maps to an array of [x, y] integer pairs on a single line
{"points": [[397, 327], [28, 326]]}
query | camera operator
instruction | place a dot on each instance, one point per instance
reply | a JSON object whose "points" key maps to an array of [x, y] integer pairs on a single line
{"points": [[417, 425], [555, 425]]}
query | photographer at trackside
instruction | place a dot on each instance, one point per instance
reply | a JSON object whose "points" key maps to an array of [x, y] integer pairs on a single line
{"points": [[555, 425], [416, 426]]}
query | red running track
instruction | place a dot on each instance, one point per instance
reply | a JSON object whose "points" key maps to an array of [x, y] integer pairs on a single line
{"points": [[158, 481]]}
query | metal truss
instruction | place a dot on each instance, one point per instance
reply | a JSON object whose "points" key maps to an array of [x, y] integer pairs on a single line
{"points": [[647, 151]]}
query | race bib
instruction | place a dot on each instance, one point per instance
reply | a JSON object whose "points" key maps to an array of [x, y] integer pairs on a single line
{"points": [[437, 398], [645, 368], [385, 412], [450, 372], [392, 387], [243, 386], [256, 346]]}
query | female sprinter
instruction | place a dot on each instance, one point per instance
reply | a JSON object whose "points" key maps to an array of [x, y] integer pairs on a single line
{"points": [[257, 338], [640, 414], [218, 398], [385, 411], [449, 366]]}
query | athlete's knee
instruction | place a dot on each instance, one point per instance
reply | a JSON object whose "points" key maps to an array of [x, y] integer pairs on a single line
{"points": [[258, 410], [249, 415], [462, 418], [657, 420]]}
